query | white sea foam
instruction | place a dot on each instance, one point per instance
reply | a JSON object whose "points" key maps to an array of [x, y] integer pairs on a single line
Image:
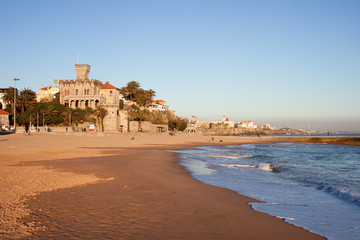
{"points": [[269, 167], [236, 165], [348, 194], [313, 178], [233, 156]]}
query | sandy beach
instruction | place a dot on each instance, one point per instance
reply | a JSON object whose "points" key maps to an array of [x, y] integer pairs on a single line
{"points": [[93, 186]]}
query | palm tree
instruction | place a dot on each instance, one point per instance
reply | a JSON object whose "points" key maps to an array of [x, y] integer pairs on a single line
{"points": [[9, 97], [150, 94], [132, 87], [67, 115], [124, 92], [27, 99], [143, 97], [100, 114], [139, 114]]}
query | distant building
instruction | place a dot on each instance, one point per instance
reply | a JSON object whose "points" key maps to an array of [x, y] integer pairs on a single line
{"points": [[193, 120], [227, 123], [269, 127], [4, 118], [47, 93], [83, 92], [247, 124], [111, 104]]}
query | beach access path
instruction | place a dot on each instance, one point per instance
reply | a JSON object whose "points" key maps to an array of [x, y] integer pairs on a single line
{"points": [[107, 186]]}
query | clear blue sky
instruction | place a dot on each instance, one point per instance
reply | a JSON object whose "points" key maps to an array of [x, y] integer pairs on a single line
{"points": [[287, 63]]}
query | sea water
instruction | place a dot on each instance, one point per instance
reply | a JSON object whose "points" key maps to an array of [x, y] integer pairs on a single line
{"points": [[314, 186]]}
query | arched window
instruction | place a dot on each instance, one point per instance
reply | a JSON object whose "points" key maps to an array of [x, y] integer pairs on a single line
{"points": [[77, 92], [110, 93]]}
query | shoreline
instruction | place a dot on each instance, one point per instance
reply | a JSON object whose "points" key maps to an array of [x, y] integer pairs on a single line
{"points": [[83, 179]]}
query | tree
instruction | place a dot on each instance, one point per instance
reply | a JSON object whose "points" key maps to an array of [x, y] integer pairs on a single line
{"points": [[139, 114], [143, 97], [56, 98], [150, 94], [89, 112], [27, 99], [67, 113], [100, 115], [51, 112], [121, 104], [132, 88], [9, 97], [178, 123], [124, 92], [78, 116]]}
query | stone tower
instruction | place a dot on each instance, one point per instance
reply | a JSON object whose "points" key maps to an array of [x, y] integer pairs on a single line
{"points": [[82, 71]]}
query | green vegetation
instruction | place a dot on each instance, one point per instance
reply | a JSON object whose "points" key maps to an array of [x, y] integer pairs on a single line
{"points": [[134, 93], [100, 114], [178, 124], [52, 113], [139, 114], [48, 113], [121, 104]]}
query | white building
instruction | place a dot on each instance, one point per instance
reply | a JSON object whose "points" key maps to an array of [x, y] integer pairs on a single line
{"points": [[247, 124], [269, 127], [227, 123], [158, 105]]}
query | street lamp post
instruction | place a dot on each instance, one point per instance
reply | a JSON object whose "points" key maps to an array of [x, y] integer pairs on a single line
{"points": [[15, 79]]}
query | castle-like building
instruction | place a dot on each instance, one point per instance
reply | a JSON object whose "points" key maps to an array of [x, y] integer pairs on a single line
{"points": [[83, 92]]}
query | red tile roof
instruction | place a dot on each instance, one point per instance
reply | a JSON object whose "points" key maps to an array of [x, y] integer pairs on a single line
{"points": [[4, 112], [108, 86], [45, 88]]}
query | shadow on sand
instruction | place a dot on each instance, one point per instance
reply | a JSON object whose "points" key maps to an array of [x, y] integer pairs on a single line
{"points": [[6, 133]]}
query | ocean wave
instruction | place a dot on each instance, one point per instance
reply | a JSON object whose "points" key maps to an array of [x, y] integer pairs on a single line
{"points": [[236, 165], [233, 156], [220, 150], [269, 167], [348, 194]]}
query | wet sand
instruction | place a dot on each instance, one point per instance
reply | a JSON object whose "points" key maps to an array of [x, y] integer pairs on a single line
{"points": [[112, 187]]}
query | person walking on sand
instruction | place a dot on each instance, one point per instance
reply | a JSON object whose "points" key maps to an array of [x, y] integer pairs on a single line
{"points": [[27, 130]]}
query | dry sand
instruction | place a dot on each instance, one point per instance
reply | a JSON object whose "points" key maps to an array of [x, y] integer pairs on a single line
{"points": [[109, 186]]}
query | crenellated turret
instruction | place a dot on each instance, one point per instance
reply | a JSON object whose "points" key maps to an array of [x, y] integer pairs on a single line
{"points": [[82, 71]]}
